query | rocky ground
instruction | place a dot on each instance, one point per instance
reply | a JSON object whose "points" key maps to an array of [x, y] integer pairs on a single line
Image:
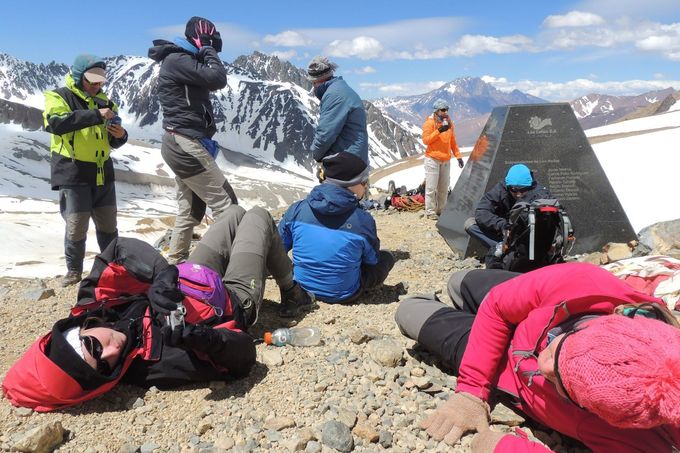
{"points": [[364, 389]]}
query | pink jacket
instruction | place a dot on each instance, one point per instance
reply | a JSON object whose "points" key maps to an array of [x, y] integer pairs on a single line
{"points": [[511, 329]]}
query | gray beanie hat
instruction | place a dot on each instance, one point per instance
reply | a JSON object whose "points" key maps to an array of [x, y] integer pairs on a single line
{"points": [[440, 104], [319, 68]]}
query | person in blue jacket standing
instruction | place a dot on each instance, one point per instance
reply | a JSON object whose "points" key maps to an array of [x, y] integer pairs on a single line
{"points": [[336, 250], [342, 117]]}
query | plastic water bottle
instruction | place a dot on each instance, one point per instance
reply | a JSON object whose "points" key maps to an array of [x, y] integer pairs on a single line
{"points": [[296, 336]]}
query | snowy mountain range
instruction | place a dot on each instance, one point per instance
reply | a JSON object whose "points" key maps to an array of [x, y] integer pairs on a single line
{"points": [[595, 110], [266, 114], [471, 100]]}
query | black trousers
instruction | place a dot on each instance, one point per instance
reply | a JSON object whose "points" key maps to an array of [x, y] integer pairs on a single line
{"points": [[444, 330]]}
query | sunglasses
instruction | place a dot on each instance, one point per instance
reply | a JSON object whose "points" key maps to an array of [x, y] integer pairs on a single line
{"points": [[95, 349], [444, 110], [518, 189], [98, 84]]}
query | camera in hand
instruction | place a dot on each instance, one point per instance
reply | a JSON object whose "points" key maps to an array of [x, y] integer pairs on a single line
{"points": [[114, 121], [176, 317]]}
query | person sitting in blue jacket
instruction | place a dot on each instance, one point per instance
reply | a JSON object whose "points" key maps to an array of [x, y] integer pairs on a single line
{"points": [[336, 250]]}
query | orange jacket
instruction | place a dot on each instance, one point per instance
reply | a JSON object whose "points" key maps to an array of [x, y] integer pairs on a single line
{"points": [[439, 144]]}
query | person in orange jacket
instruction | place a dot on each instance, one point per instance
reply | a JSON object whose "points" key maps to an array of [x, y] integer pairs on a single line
{"points": [[440, 138]]}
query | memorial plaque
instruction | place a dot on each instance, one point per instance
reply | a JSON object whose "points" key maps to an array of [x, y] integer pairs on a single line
{"points": [[550, 141]]}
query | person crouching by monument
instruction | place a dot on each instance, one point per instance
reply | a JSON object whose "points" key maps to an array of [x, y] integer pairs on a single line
{"points": [[84, 127], [127, 324], [492, 216], [440, 138], [336, 250], [570, 346], [190, 70]]}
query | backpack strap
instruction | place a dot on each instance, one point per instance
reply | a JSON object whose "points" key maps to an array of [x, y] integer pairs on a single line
{"points": [[532, 232], [567, 230]]}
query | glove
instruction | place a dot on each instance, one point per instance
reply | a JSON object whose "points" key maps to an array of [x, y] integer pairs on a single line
{"points": [[461, 413], [444, 128], [486, 441], [194, 337], [461, 164], [320, 174], [164, 295], [206, 34], [217, 41]]}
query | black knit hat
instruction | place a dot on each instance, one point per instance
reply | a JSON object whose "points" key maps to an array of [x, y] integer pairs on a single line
{"points": [[345, 169]]}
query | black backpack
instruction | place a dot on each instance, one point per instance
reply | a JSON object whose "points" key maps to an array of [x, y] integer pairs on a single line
{"points": [[540, 233]]}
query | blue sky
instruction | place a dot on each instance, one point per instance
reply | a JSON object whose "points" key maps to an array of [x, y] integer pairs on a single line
{"points": [[557, 50]]}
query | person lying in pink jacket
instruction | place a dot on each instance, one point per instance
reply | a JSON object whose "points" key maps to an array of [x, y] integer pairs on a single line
{"points": [[573, 348]]}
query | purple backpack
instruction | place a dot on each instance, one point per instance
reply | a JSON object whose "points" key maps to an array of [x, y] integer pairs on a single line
{"points": [[203, 284]]}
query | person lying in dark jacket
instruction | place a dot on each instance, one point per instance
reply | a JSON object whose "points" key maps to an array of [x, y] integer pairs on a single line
{"points": [[120, 328]]}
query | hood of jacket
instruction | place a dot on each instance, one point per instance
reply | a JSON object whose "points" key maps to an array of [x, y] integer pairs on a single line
{"points": [[162, 48], [320, 90], [329, 199], [51, 375]]}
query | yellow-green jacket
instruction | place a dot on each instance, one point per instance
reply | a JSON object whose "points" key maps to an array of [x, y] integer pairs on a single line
{"points": [[80, 144]]}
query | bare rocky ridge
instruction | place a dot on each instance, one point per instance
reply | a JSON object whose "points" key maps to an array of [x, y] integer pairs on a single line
{"points": [[363, 390]]}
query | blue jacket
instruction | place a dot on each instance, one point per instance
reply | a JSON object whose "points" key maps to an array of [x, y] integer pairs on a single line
{"points": [[342, 121], [331, 238]]}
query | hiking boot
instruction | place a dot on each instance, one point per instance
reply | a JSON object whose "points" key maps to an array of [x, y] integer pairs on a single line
{"points": [[296, 301], [71, 278]]}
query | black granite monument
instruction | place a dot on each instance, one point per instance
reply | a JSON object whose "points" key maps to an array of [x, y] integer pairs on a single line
{"points": [[550, 141]]}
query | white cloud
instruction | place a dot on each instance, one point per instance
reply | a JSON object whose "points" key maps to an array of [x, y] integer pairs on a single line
{"points": [[363, 47], [466, 46], [620, 34], [632, 8], [385, 41], [288, 38], [363, 70], [400, 89], [573, 19], [664, 40], [573, 89], [285, 55], [470, 45]]}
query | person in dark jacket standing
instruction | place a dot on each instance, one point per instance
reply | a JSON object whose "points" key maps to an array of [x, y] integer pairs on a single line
{"points": [[84, 126], [491, 221], [336, 250], [190, 70], [342, 117]]}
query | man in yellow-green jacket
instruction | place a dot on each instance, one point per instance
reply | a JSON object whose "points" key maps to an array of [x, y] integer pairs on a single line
{"points": [[85, 126]]}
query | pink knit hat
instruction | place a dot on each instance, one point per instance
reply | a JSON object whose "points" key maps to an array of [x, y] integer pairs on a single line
{"points": [[626, 371]]}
